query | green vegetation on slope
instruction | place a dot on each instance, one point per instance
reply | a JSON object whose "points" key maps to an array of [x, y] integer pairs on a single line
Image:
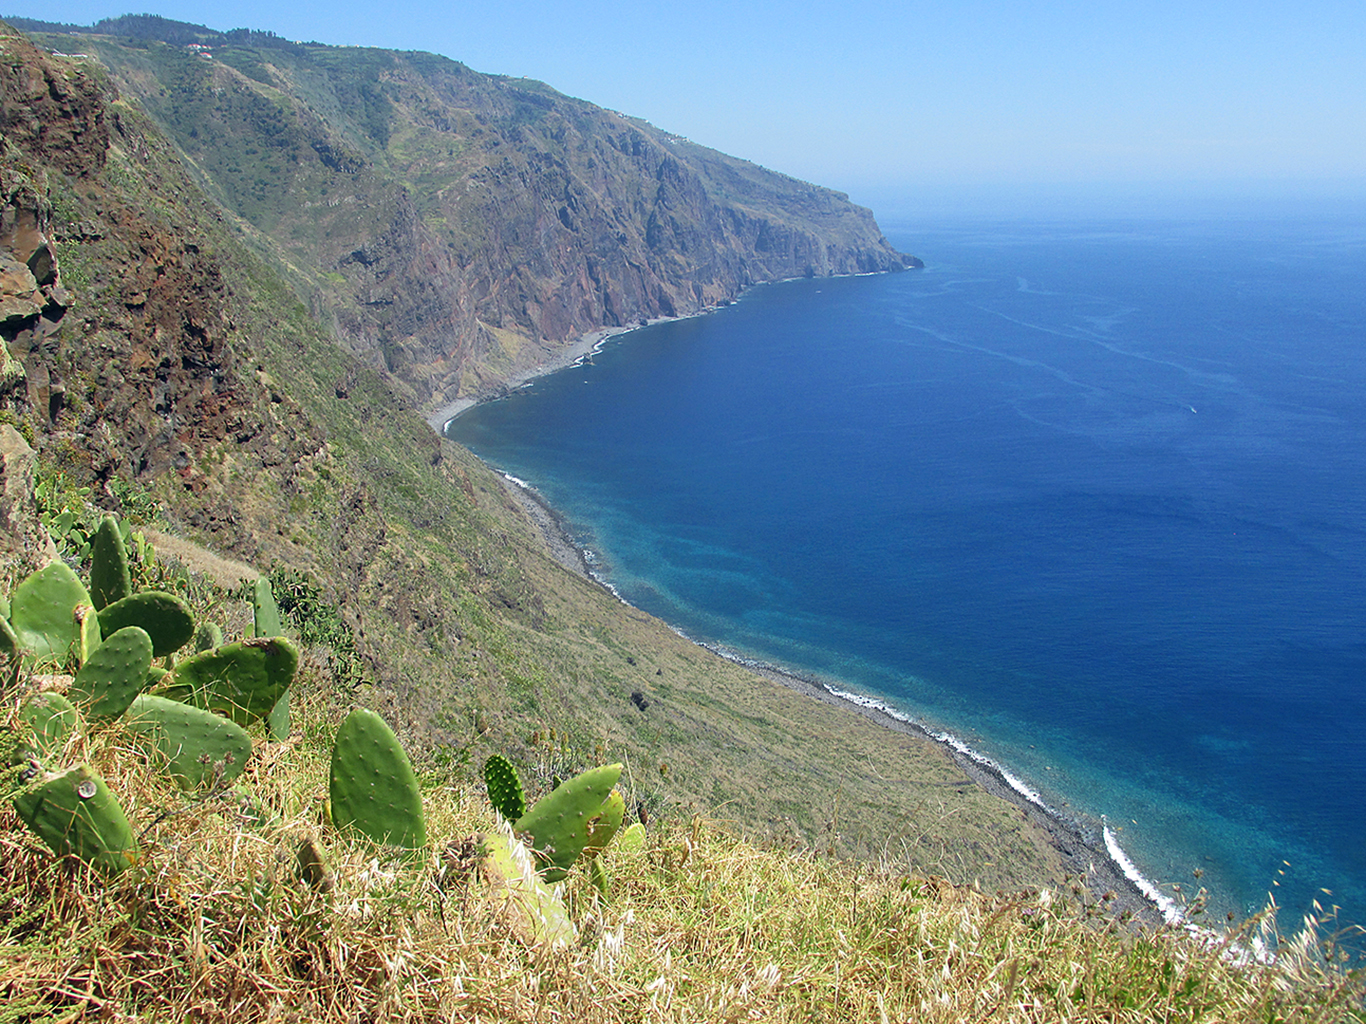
{"points": [[165, 371]]}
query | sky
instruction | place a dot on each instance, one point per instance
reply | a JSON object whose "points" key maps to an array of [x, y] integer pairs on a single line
{"points": [[915, 102]]}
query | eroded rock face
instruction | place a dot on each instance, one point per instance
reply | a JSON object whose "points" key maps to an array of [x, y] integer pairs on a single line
{"points": [[54, 112], [23, 540], [32, 299], [120, 344]]}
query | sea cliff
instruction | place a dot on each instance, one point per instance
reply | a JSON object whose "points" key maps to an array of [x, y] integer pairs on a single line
{"points": [[456, 229]]}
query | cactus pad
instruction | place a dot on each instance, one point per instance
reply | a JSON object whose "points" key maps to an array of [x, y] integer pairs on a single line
{"points": [[87, 632], [114, 674], [559, 823], [246, 808], [74, 813], [207, 636], [192, 745], [373, 789], [43, 614], [166, 618], [534, 912], [632, 839], [266, 618], [505, 788], [9, 643], [51, 718], [278, 719], [597, 874], [110, 580], [610, 816], [243, 681]]}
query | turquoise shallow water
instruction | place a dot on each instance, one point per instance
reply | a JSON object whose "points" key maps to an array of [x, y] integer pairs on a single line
{"points": [[1088, 496]]}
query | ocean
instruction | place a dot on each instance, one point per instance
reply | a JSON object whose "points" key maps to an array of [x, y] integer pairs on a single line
{"points": [[1089, 496]]}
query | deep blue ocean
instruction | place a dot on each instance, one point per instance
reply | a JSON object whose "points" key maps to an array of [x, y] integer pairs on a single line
{"points": [[1090, 496]]}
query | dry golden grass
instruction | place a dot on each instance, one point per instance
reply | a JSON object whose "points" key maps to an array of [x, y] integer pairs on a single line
{"points": [[213, 924]]}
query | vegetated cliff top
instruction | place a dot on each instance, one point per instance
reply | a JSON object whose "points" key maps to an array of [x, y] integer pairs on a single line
{"points": [[454, 227]]}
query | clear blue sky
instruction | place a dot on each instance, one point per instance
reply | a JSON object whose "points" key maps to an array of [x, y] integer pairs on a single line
{"points": [[950, 99]]}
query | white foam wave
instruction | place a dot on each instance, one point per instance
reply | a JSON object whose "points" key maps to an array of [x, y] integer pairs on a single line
{"points": [[603, 581], [1165, 905], [947, 738], [518, 481], [1171, 913]]}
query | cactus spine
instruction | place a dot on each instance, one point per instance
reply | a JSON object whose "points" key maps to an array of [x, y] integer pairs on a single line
{"points": [[373, 789]]}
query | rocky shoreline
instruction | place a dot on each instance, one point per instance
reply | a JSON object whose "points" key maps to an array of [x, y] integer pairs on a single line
{"points": [[568, 356]]}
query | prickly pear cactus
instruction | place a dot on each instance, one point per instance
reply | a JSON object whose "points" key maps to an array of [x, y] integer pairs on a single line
{"points": [[74, 813], [505, 788], [114, 674], [9, 643], [373, 789], [166, 618], [50, 719], [266, 620], [207, 636], [536, 915], [243, 681], [597, 874], [559, 823], [278, 719], [193, 746], [247, 808], [87, 632], [631, 839], [110, 579], [610, 816], [43, 614]]}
